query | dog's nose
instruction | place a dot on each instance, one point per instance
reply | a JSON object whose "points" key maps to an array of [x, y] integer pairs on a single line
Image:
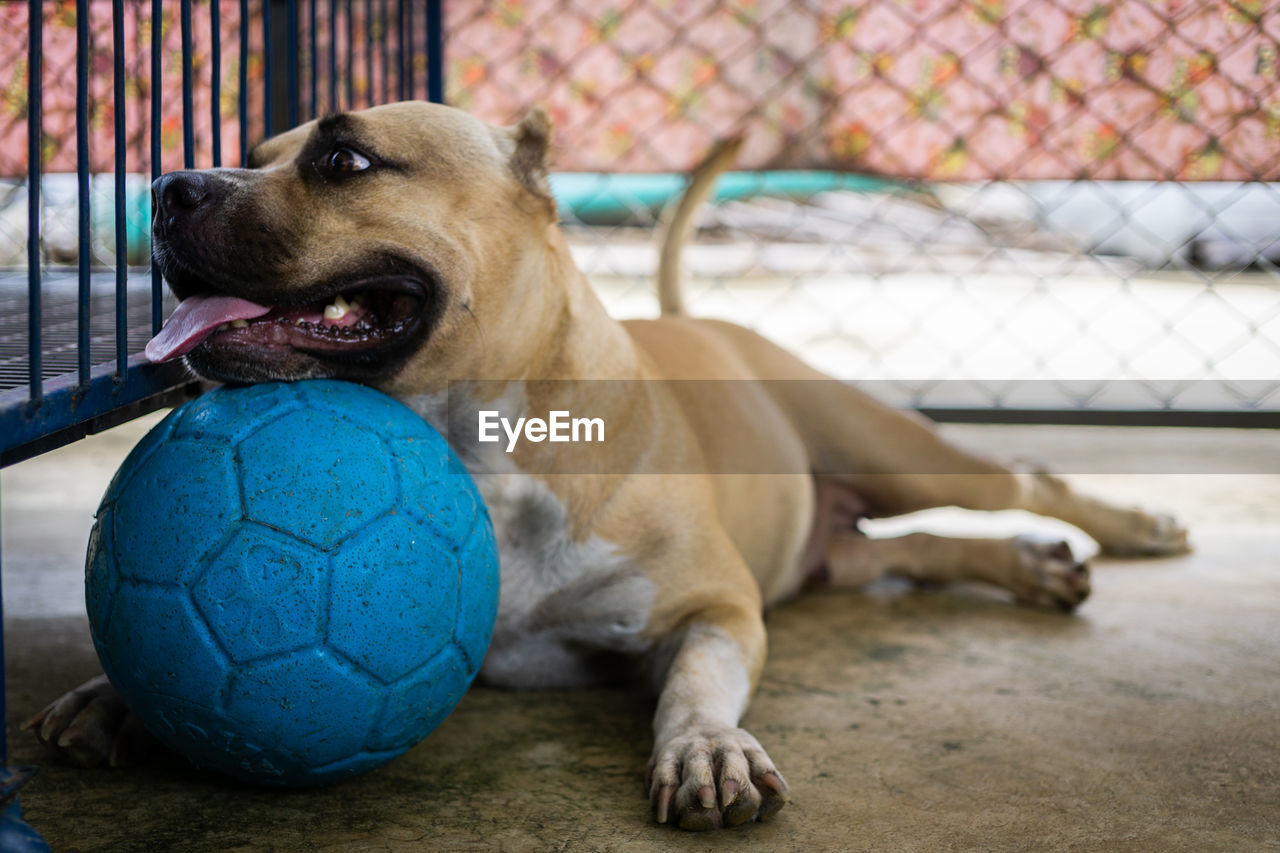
{"points": [[179, 192]]}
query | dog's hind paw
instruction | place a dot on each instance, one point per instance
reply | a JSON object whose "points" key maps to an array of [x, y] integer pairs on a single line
{"points": [[1048, 574], [1145, 534], [91, 725], [707, 778]]}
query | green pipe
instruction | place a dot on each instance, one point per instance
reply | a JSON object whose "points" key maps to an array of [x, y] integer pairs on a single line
{"points": [[601, 198]]}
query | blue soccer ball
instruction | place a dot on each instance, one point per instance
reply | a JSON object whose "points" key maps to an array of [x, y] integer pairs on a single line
{"points": [[292, 583]]}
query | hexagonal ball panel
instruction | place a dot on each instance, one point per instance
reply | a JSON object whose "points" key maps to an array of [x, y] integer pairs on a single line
{"points": [[364, 406], [156, 643], [316, 477], [175, 507], [228, 415], [263, 593], [361, 762], [306, 706], [436, 489], [419, 702], [394, 598]]}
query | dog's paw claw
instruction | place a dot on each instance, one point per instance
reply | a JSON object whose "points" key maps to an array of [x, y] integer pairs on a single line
{"points": [[1049, 575], [709, 778], [91, 725]]}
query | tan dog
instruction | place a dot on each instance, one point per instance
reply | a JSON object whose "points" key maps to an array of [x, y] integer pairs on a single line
{"points": [[458, 295]]}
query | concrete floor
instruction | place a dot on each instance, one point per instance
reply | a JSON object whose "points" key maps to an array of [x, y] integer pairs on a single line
{"points": [[903, 720]]}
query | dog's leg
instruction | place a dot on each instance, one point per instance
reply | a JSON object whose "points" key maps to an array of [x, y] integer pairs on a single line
{"points": [[897, 462], [706, 772], [1121, 531], [906, 466], [1041, 572], [982, 484]]}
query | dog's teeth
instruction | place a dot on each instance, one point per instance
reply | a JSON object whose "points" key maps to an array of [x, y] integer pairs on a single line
{"points": [[239, 324], [338, 309], [223, 327], [298, 322]]}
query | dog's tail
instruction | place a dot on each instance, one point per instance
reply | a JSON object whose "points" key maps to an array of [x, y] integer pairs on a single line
{"points": [[680, 222]]}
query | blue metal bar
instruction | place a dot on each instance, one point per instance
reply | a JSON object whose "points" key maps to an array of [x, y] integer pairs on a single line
{"points": [[188, 108], [407, 64], [351, 58], [313, 56], [82, 188], [266, 67], [400, 52], [35, 64], [122, 234], [157, 51], [68, 406], [215, 81], [291, 42], [243, 94], [333, 56], [383, 22], [368, 52], [435, 51]]}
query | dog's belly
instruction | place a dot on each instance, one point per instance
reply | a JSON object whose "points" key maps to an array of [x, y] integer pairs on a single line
{"points": [[566, 609]]}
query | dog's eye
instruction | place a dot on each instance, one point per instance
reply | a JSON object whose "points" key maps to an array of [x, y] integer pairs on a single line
{"points": [[346, 160]]}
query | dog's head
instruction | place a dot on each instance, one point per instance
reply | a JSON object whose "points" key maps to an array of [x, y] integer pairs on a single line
{"points": [[404, 238]]}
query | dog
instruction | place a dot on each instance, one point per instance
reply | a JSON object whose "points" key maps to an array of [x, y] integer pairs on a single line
{"points": [[415, 248]]}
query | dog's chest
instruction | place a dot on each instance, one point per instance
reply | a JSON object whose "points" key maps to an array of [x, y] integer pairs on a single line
{"points": [[562, 599]]}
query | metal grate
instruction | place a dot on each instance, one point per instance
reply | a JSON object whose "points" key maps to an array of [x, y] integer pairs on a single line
{"points": [[59, 322]]}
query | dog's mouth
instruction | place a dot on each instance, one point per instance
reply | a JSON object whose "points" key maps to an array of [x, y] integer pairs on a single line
{"points": [[355, 322]]}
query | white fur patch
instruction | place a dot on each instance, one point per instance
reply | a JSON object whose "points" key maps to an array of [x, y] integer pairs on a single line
{"points": [[706, 683]]}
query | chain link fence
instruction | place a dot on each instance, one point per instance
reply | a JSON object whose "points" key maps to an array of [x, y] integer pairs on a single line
{"points": [[1007, 203]]}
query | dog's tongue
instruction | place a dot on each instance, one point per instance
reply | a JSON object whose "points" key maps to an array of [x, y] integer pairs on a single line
{"points": [[194, 319]]}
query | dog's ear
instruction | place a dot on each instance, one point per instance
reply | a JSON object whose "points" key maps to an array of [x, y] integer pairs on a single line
{"points": [[529, 160]]}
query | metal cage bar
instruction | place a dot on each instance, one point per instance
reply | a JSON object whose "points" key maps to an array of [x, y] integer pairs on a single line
{"points": [[188, 96], [215, 84], [35, 63], [52, 408], [157, 284], [291, 65], [82, 191], [121, 260], [267, 104]]}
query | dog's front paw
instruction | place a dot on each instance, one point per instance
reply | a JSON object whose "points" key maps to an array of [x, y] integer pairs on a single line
{"points": [[709, 777], [90, 725], [1048, 574]]}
